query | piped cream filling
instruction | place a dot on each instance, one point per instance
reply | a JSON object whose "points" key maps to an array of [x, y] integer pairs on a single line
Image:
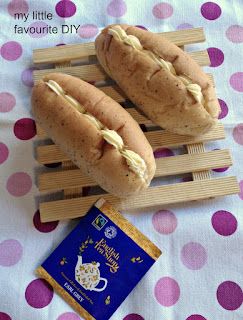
{"points": [[120, 34], [133, 160]]}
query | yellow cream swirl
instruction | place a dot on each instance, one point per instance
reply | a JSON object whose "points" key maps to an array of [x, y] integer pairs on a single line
{"points": [[133, 160], [119, 34]]}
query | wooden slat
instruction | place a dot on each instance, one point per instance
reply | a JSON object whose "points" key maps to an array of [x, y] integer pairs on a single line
{"points": [[77, 51], [161, 138], [157, 196], [198, 148], [53, 181], [94, 72]]}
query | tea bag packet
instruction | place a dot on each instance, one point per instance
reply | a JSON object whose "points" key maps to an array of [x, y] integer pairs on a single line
{"points": [[99, 263]]}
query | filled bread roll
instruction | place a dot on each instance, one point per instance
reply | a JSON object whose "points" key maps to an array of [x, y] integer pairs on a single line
{"points": [[160, 78], [97, 134]]}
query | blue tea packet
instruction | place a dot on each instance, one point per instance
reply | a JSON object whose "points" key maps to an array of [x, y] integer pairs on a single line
{"points": [[99, 263]]}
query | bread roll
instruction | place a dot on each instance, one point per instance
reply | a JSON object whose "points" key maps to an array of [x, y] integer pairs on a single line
{"points": [[98, 135], [160, 78]]}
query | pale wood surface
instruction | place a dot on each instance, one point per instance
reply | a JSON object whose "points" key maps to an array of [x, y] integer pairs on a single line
{"points": [[157, 196], [77, 51], [161, 138], [53, 181]]}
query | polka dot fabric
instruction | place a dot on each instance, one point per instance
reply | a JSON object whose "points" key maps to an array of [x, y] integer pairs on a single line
{"points": [[199, 275]]}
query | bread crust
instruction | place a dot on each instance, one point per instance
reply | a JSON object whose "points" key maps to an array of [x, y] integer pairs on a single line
{"points": [[160, 94], [83, 142]]}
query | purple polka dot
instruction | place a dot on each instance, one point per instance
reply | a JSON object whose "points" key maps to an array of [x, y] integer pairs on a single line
{"points": [[17, 6], [224, 109], [60, 44], [133, 316], [229, 295], [196, 317], [25, 129], [65, 9], [193, 255], [11, 50], [162, 10], [3, 152], [37, 29], [39, 293], [163, 152], [117, 8], [68, 316], [53, 165], [186, 179], [224, 223], [241, 190], [141, 27], [27, 77], [238, 133], [210, 10], [19, 184], [216, 57], [167, 291], [164, 221], [43, 227], [87, 31], [221, 169], [4, 316], [235, 33], [7, 101], [10, 252], [236, 81], [184, 26]]}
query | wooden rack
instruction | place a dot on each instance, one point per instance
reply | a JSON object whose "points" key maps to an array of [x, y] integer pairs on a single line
{"points": [[71, 180]]}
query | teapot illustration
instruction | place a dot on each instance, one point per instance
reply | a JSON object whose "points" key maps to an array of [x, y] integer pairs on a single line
{"points": [[88, 275]]}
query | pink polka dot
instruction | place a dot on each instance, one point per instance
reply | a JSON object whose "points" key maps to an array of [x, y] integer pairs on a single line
{"points": [[68, 316], [7, 101], [43, 227], [193, 255], [65, 9], [162, 10], [229, 295], [241, 190], [167, 291], [224, 223], [27, 77], [216, 57], [163, 152], [10, 252], [133, 316], [117, 8], [196, 317], [19, 184], [39, 293], [3, 152], [235, 33], [236, 81], [37, 30], [17, 6], [24, 129], [4, 316], [164, 221], [184, 26], [224, 109], [238, 133], [11, 50], [87, 31], [210, 10]]}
